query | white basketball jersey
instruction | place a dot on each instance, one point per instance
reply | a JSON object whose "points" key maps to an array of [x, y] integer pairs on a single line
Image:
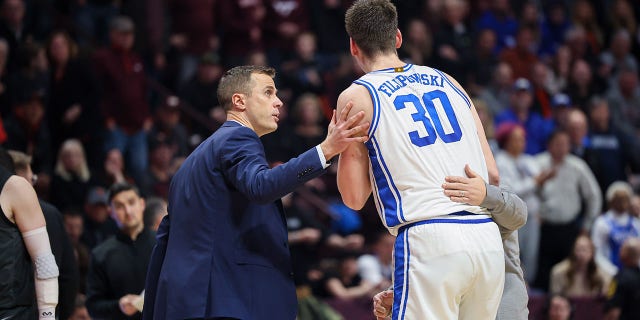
{"points": [[422, 130]]}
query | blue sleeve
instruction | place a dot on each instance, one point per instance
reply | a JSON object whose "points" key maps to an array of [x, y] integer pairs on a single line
{"points": [[245, 166]]}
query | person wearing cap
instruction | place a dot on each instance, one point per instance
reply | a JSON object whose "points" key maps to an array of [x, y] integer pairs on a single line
{"points": [[124, 105], [98, 225], [561, 106], [538, 129], [118, 266]]}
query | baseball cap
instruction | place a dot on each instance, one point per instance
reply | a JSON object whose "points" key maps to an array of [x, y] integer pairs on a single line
{"points": [[121, 24], [97, 195], [561, 99], [522, 84]]}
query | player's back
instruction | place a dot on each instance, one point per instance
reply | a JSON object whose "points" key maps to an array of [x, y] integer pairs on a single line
{"points": [[422, 130]]}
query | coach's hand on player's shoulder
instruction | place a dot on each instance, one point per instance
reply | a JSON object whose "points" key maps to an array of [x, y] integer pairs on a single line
{"points": [[470, 189], [382, 304], [344, 130]]}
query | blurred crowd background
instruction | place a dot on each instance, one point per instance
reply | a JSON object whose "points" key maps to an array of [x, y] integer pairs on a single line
{"points": [[94, 92]]}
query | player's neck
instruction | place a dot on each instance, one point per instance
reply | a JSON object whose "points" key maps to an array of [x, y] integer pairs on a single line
{"points": [[382, 62]]}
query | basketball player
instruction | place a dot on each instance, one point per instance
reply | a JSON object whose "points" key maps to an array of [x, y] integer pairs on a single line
{"points": [[448, 256]]}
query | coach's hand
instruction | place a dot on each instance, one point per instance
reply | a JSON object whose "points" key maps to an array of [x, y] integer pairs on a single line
{"points": [[382, 304], [471, 190], [343, 131]]}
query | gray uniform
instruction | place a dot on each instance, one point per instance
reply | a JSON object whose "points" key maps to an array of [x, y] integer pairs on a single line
{"points": [[510, 213]]}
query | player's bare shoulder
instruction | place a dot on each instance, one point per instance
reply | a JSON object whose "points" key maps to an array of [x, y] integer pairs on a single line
{"points": [[360, 98]]}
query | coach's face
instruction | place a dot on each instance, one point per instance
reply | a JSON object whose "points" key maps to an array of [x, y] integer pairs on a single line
{"points": [[262, 106]]}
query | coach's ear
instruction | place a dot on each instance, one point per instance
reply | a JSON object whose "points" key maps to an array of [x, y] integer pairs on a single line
{"points": [[398, 38], [237, 102]]}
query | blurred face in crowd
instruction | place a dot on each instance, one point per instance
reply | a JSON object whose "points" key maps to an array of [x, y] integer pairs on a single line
{"points": [[13, 12], [72, 155], [59, 49], [559, 146], [74, 227], [583, 250], [635, 206], [128, 210], [621, 202], [306, 45], [31, 112], [503, 75], [539, 74], [209, 73], [122, 39], [521, 100], [559, 309], [577, 126], [308, 110], [581, 73], [628, 82], [384, 248], [486, 40], [516, 142], [98, 212], [600, 115]]}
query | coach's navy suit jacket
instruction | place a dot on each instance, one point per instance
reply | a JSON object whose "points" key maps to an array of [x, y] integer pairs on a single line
{"points": [[222, 251]]}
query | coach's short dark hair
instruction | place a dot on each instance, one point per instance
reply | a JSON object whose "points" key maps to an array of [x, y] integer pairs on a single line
{"points": [[238, 80], [372, 24], [122, 187]]}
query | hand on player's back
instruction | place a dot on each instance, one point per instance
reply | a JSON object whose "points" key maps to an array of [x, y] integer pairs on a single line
{"points": [[470, 189]]}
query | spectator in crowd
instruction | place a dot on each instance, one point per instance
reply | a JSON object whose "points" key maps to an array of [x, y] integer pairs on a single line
{"points": [[617, 224], [168, 127], [92, 18], [501, 20], [635, 206], [578, 130], [327, 22], [453, 40], [376, 266], [344, 281], [498, 93], [579, 275], [28, 131], [570, 201], [558, 307], [154, 211], [124, 105], [309, 121], [4, 59], [482, 62], [304, 70], [73, 99], [553, 28], [80, 310], [241, 20], [98, 224], [617, 57], [58, 238], [200, 93], [118, 266], [612, 153], [624, 298], [623, 16], [582, 86], [521, 173], [584, 16], [193, 33], [417, 46], [113, 170], [521, 56], [624, 99], [537, 128], [155, 182], [72, 177], [74, 226], [285, 20], [14, 29], [561, 108], [542, 89], [561, 68]]}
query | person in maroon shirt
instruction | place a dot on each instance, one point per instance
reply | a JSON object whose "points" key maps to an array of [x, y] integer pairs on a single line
{"points": [[241, 22], [124, 105]]}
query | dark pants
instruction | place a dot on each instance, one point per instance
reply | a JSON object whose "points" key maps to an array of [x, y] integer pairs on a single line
{"points": [[556, 243]]}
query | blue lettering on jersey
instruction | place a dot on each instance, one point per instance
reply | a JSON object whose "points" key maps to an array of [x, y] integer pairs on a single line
{"points": [[400, 81]]}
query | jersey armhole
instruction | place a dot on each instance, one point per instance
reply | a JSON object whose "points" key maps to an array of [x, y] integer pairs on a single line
{"points": [[376, 105]]}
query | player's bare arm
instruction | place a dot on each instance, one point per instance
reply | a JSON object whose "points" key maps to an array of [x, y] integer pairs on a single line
{"points": [[353, 165], [492, 167]]}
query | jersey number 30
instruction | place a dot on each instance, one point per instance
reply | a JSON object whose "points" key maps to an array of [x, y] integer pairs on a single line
{"points": [[432, 123]]}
